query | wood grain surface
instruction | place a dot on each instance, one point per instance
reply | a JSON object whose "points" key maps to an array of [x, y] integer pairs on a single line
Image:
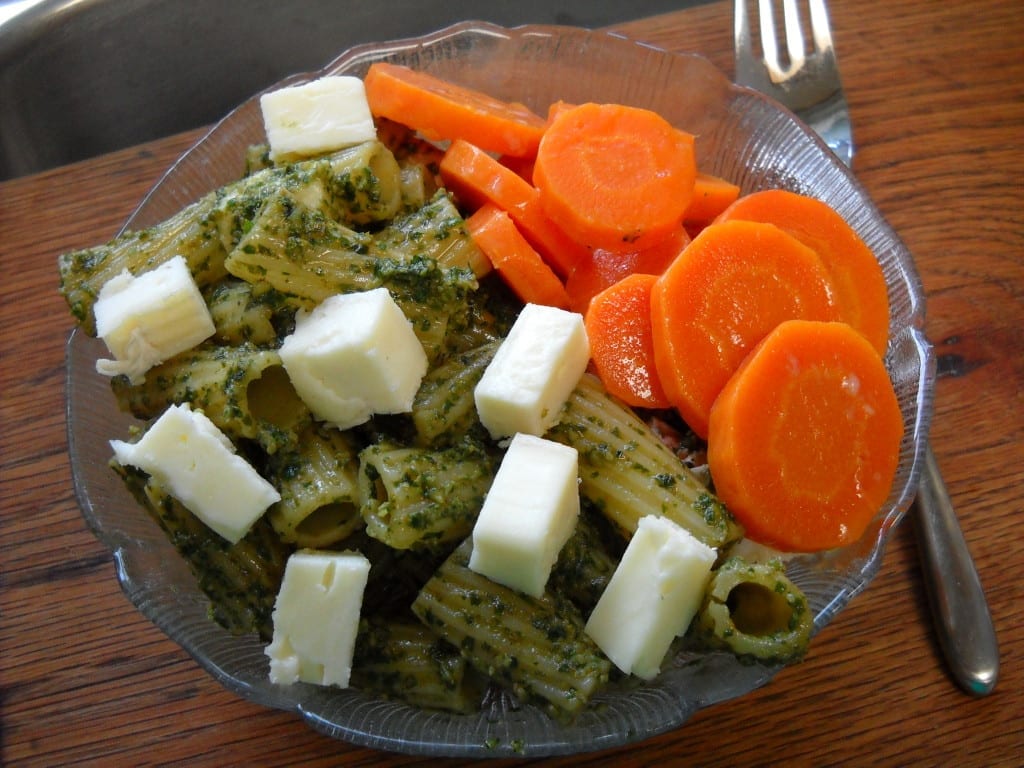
{"points": [[937, 98]]}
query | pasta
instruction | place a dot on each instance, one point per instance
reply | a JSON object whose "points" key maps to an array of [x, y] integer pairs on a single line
{"points": [[626, 471], [402, 659], [244, 390], [753, 610], [415, 497], [241, 580], [403, 489], [537, 647], [317, 481]]}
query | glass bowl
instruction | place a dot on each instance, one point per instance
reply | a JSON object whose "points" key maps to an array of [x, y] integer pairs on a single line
{"points": [[742, 136]]}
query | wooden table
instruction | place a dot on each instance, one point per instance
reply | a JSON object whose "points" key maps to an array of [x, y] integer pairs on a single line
{"points": [[937, 95]]}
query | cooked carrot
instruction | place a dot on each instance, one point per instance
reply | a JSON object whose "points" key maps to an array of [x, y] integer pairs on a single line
{"points": [[440, 109], [618, 324], [856, 274], [600, 269], [731, 286], [804, 440], [476, 178], [711, 196], [614, 176], [514, 259]]}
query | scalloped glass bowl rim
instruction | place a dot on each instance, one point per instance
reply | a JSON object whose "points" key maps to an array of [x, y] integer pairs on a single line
{"points": [[166, 594]]}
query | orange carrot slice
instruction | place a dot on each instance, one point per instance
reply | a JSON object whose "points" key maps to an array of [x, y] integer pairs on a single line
{"points": [[440, 109], [601, 269], [514, 260], [857, 276], [804, 439], [614, 176], [711, 196], [476, 178], [618, 324], [731, 286]]}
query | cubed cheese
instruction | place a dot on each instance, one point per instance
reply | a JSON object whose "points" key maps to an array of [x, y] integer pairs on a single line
{"points": [[316, 117], [197, 464], [652, 597], [316, 618], [533, 372], [355, 355], [529, 513], [147, 319]]}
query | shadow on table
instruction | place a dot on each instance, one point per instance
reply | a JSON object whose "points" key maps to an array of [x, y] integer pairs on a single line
{"points": [[82, 77]]}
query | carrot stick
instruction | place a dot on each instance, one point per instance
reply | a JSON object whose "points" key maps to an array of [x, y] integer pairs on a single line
{"points": [[804, 440], [476, 178], [514, 260], [600, 269], [614, 176], [442, 110], [618, 324], [711, 196], [856, 274], [731, 286]]}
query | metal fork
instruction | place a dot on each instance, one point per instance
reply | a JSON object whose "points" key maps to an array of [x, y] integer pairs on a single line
{"points": [[808, 83]]}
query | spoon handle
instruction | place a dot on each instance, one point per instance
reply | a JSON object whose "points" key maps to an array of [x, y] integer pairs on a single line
{"points": [[959, 608]]}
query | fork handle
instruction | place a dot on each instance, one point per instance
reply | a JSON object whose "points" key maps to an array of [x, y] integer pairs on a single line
{"points": [[959, 609]]}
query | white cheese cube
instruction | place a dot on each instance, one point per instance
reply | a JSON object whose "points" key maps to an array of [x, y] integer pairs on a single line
{"points": [[316, 117], [355, 355], [316, 618], [529, 513], [533, 372], [652, 597], [147, 319], [197, 464]]}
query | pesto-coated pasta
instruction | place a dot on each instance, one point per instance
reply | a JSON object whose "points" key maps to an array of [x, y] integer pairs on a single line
{"points": [[359, 186], [627, 472], [401, 659], [444, 409], [239, 315], [536, 647], [433, 231], [244, 390], [317, 480], [755, 611], [413, 497], [241, 580], [303, 253]]}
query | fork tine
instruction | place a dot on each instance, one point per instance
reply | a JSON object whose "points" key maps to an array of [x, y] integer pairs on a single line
{"points": [[794, 36], [821, 29]]}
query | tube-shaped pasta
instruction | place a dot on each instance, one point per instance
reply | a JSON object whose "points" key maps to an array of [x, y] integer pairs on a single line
{"points": [[434, 231], [414, 497], [586, 563], [300, 251], [244, 390], [754, 610], [241, 580], [191, 233], [444, 409], [534, 646], [359, 185], [627, 472], [402, 659], [239, 316], [319, 503]]}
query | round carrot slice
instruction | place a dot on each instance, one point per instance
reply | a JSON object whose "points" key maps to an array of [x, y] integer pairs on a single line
{"points": [[618, 326], [440, 109], [614, 176], [724, 293], [804, 439], [856, 274]]}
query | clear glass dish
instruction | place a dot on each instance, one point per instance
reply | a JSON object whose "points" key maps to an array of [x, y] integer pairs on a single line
{"points": [[742, 136]]}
